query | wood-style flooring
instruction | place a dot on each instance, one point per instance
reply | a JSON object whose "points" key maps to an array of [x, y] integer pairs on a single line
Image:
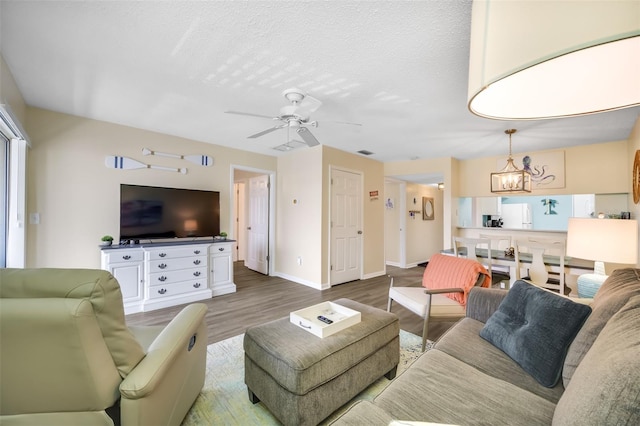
{"points": [[260, 298]]}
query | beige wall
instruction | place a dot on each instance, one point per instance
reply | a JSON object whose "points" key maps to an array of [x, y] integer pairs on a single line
{"points": [[448, 168], [299, 216], [392, 217], [77, 196], [303, 213], [423, 236], [372, 212], [598, 168]]}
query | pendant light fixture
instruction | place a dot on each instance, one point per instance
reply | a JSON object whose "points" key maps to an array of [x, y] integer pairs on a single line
{"points": [[511, 178], [537, 59]]}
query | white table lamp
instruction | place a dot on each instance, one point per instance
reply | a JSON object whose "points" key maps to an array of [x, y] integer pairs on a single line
{"points": [[602, 240]]}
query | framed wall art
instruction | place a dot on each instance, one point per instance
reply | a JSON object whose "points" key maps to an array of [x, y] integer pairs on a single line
{"points": [[428, 209]]}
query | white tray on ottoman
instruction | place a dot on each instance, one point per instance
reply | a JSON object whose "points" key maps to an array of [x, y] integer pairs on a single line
{"points": [[341, 316]]}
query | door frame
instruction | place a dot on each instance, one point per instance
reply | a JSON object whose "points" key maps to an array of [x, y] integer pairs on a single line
{"points": [[401, 204], [272, 207], [360, 174]]}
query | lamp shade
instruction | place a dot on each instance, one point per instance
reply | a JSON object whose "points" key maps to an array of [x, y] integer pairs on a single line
{"points": [[534, 59], [605, 240]]}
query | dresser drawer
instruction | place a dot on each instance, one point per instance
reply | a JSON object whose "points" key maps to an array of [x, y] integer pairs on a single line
{"points": [[173, 253], [223, 249], [169, 277], [172, 264], [167, 290], [119, 256]]}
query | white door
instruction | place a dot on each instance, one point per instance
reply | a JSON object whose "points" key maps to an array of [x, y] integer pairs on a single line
{"points": [[258, 225], [346, 226], [239, 254]]}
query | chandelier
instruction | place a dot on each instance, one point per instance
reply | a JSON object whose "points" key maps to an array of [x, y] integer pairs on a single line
{"points": [[511, 178]]}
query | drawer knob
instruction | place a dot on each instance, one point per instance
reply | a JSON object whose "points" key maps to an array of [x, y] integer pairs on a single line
{"points": [[162, 265], [162, 278], [162, 291], [196, 262], [126, 257], [196, 274], [197, 285], [221, 249], [162, 254], [196, 251]]}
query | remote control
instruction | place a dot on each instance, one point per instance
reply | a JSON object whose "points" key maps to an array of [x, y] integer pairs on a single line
{"points": [[325, 319]]}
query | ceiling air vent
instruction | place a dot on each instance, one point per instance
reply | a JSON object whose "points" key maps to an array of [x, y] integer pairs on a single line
{"points": [[365, 152]]}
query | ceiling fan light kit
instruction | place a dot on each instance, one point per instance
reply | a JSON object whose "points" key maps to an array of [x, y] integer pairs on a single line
{"points": [[510, 179], [293, 116], [582, 58]]}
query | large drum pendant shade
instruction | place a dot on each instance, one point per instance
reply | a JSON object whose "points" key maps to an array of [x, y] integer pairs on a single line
{"points": [[534, 59]]}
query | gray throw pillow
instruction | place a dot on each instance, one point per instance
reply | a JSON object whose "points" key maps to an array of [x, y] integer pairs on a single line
{"points": [[535, 328]]}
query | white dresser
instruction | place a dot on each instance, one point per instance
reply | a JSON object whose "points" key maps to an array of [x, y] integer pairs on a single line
{"points": [[159, 275]]}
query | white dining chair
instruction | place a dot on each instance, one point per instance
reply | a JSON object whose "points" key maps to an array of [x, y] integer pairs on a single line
{"points": [[538, 272], [467, 248], [500, 243]]}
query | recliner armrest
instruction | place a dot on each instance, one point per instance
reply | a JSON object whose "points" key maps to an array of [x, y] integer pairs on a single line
{"points": [[160, 357], [483, 302]]}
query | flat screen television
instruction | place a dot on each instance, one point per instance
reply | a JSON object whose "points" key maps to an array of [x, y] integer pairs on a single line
{"points": [[149, 212]]}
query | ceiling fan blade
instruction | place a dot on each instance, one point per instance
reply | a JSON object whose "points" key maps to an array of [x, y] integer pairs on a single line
{"points": [[264, 132], [343, 122], [251, 114], [306, 135], [310, 104]]}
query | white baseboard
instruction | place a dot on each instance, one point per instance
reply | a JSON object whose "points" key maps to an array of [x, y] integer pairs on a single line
{"points": [[301, 281]]}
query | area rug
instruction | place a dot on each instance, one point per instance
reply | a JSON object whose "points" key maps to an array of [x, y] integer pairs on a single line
{"points": [[224, 399]]}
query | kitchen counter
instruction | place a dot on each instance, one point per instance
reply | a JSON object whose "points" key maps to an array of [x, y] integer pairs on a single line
{"points": [[484, 228]]}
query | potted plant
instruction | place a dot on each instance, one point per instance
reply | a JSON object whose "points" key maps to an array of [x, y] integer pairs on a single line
{"points": [[223, 235], [107, 240]]}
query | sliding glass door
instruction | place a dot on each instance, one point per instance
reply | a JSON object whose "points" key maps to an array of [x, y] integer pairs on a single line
{"points": [[4, 197]]}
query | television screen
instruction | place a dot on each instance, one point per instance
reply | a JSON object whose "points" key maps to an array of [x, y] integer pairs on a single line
{"points": [[149, 212]]}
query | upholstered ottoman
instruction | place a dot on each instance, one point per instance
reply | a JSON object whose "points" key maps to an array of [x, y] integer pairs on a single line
{"points": [[302, 378]]}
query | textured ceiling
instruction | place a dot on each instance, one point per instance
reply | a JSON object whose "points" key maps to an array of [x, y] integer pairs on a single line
{"points": [[399, 68]]}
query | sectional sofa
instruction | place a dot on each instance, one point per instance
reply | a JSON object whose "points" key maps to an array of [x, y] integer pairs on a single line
{"points": [[468, 379]]}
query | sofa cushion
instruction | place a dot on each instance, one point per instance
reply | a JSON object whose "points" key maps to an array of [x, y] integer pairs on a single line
{"points": [[605, 388], [535, 328], [489, 359], [621, 285], [441, 389]]}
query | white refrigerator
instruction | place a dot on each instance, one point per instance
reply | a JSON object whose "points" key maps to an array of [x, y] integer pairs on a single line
{"points": [[516, 216]]}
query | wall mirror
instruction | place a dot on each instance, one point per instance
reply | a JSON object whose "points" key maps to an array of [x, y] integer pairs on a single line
{"points": [[427, 208]]}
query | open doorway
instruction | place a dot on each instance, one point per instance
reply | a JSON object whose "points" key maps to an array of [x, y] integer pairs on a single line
{"points": [[253, 217]]}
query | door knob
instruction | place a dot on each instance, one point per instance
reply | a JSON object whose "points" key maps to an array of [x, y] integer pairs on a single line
{"points": [[359, 232]]}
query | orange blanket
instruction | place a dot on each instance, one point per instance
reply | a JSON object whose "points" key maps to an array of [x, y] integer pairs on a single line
{"points": [[447, 272]]}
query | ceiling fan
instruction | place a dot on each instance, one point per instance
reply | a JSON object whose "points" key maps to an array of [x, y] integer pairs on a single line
{"points": [[294, 116]]}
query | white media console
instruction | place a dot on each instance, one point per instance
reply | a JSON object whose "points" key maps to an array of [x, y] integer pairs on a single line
{"points": [[159, 275]]}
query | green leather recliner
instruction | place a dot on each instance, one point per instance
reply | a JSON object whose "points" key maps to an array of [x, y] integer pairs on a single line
{"points": [[67, 356]]}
